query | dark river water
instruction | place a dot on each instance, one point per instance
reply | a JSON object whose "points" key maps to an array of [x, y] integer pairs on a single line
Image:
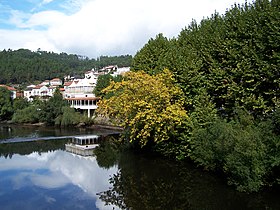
{"points": [[37, 173]]}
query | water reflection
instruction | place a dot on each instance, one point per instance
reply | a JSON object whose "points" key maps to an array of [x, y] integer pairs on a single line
{"points": [[56, 177], [41, 175], [154, 183], [19, 133]]}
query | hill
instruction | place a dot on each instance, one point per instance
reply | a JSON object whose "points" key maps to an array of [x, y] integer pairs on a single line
{"points": [[25, 66]]}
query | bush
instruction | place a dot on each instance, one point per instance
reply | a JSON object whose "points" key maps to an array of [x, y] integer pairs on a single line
{"points": [[244, 151], [68, 118], [29, 114]]}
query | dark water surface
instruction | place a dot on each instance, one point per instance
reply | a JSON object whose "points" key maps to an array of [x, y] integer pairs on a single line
{"points": [[42, 175]]}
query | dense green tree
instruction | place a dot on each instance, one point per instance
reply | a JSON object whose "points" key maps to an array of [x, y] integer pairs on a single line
{"points": [[223, 62], [20, 103], [29, 114], [234, 56], [6, 106], [53, 108], [242, 149], [150, 57], [69, 117], [103, 81]]}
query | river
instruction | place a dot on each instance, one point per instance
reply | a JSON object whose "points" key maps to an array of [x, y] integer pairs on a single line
{"points": [[37, 173]]}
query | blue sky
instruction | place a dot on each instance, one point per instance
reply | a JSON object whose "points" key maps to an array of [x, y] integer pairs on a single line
{"points": [[97, 27], [12, 11]]}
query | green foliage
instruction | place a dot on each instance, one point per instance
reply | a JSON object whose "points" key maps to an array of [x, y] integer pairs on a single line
{"points": [[103, 81], [275, 117], [235, 57], [6, 107], [68, 118], [24, 66], [245, 151], [204, 111], [150, 56], [120, 61], [20, 103], [107, 153], [29, 114], [226, 61], [52, 109]]}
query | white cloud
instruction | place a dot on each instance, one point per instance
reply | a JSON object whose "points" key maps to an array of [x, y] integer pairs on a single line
{"points": [[60, 168], [18, 18], [46, 1], [29, 39], [110, 27], [53, 180]]}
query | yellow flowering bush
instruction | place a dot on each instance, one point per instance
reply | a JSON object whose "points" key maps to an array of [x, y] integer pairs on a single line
{"points": [[149, 107]]}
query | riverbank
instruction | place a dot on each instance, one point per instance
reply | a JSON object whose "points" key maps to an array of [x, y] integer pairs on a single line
{"points": [[109, 127], [81, 125]]}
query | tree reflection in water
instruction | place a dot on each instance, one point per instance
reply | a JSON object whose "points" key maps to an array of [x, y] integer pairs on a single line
{"points": [[107, 154], [145, 182], [23, 148]]}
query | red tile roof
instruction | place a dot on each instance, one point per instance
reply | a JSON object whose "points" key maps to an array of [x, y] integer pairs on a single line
{"points": [[56, 79], [8, 87], [67, 83]]}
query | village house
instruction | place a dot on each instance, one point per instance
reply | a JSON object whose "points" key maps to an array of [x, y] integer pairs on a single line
{"points": [[42, 92], [78, 91], [12, 89], [56, 82], [46, 82]]}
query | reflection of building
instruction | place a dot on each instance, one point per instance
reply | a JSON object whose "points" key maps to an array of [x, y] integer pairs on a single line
{"points": [[83, 145]]}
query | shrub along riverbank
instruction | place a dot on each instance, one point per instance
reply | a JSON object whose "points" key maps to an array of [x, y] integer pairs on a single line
{"points": [[218, 104], [55, 111]]}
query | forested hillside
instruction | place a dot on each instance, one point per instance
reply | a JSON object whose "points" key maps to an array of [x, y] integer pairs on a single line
{"points": [[25, 66]]}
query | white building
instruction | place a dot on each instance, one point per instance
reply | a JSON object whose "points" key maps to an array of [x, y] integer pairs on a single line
{"points": [[121, 71], [79, 93], [42, 92], [81, 87], [55, 82]]}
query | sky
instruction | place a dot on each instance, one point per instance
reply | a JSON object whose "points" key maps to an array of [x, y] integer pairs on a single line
{"points": [[98, 27]]}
